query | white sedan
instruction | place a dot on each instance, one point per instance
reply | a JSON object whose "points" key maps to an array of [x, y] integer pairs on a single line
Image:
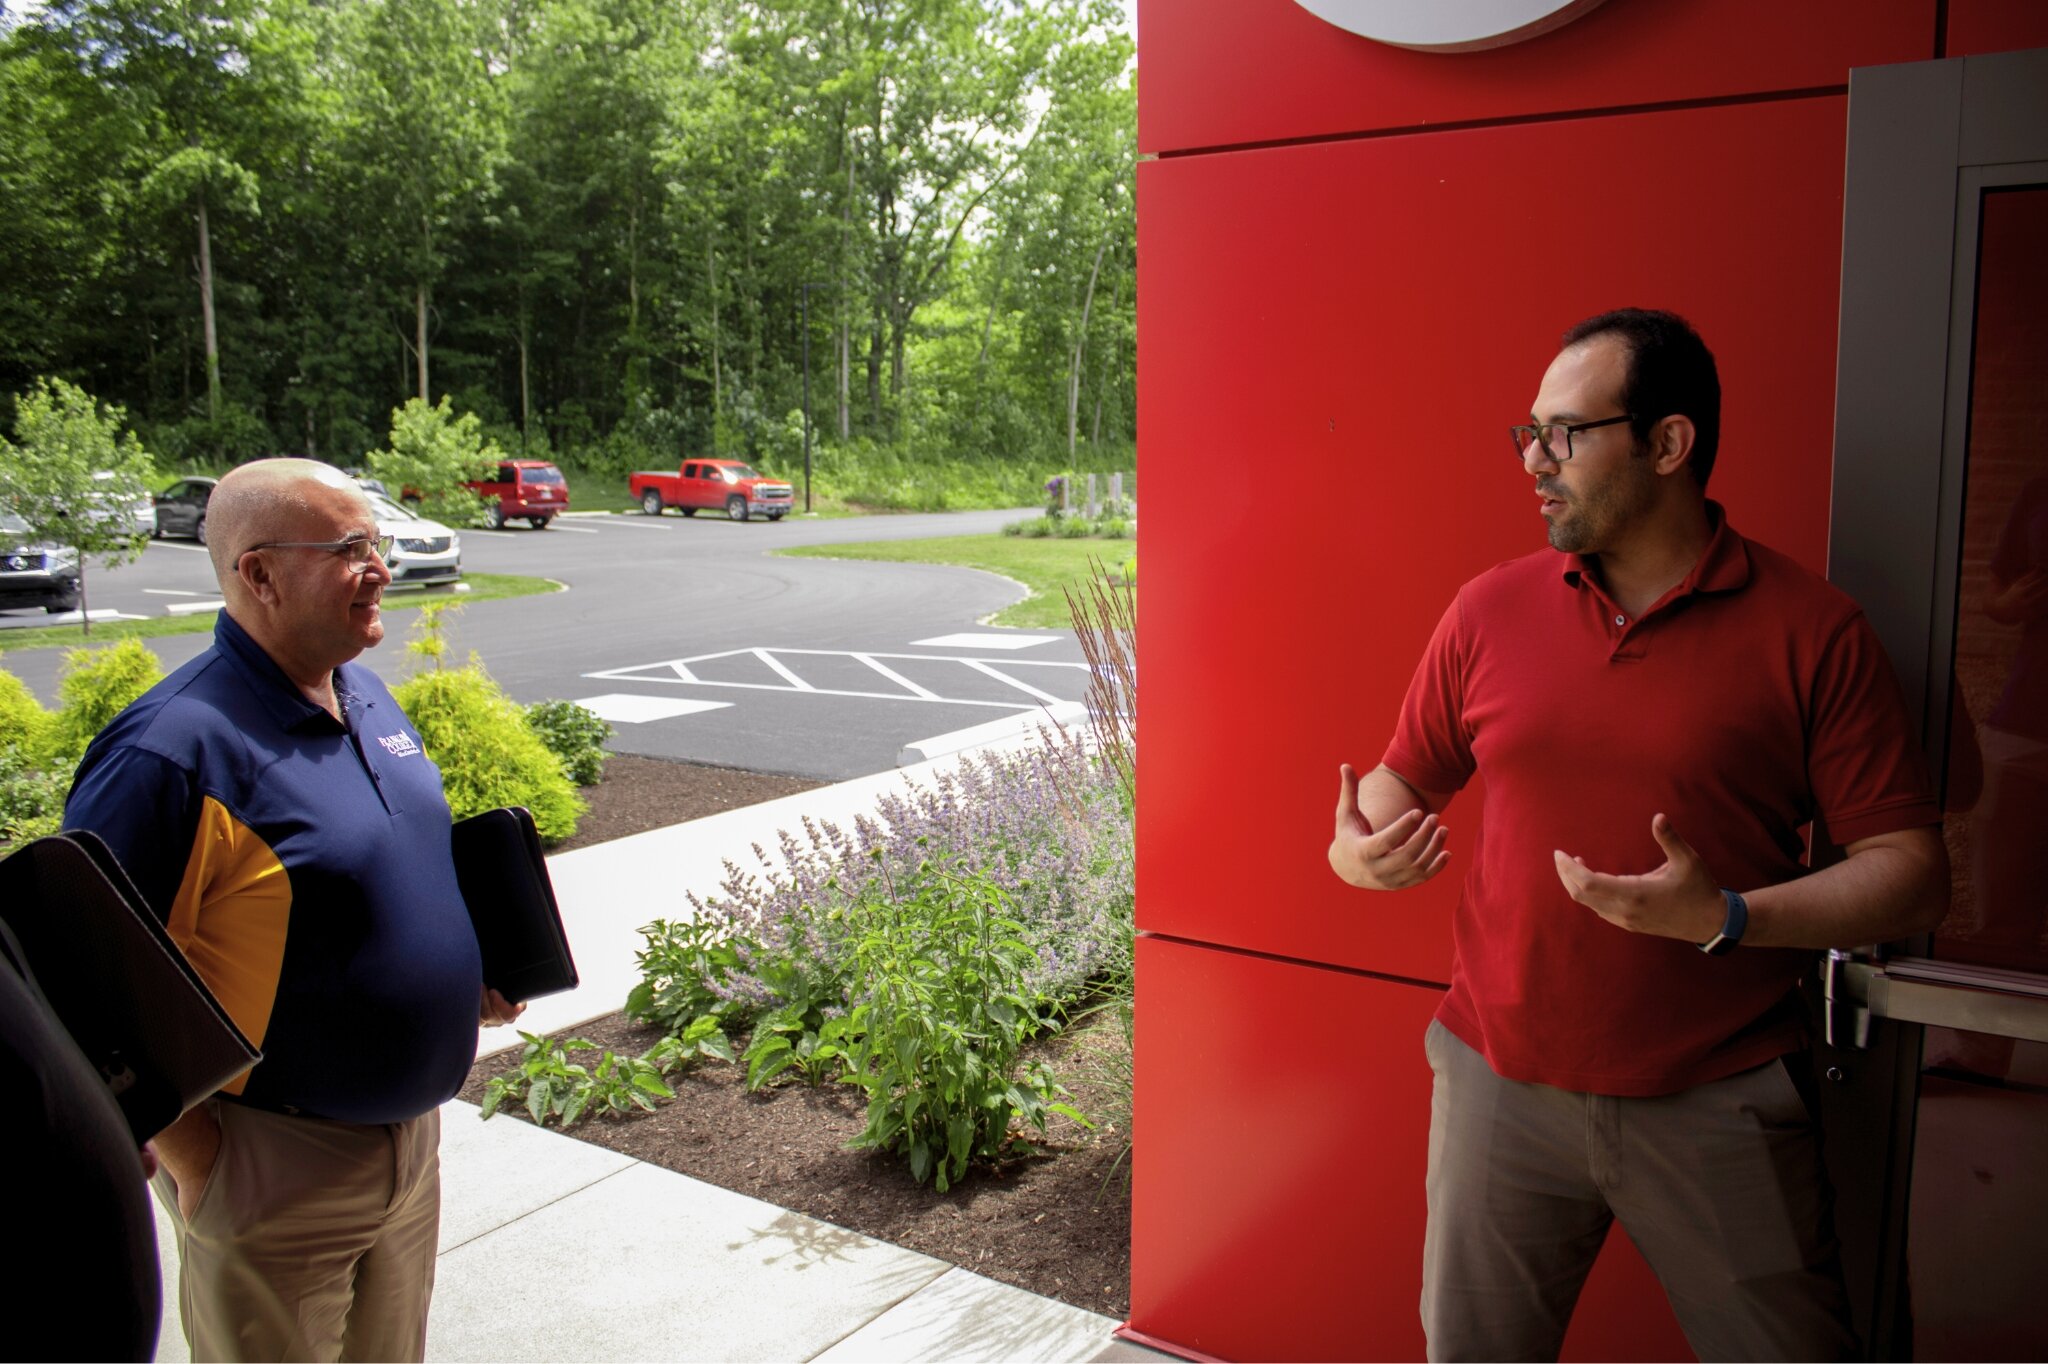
{"points": [[422, 551]]}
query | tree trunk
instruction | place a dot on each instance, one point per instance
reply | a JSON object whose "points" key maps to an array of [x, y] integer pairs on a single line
{"points": [[711, 283], [1116, 299], [845, 377], [1080, 343], [420, 344], [875, 368], [525, 386], [995, 294], [206, 313]]}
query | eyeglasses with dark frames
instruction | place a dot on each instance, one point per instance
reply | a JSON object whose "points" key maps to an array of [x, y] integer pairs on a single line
{"points": [[357, 549], [1543, 433]]}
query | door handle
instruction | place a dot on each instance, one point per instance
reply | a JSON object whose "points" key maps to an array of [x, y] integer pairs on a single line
{"points": [[1922, 990]]}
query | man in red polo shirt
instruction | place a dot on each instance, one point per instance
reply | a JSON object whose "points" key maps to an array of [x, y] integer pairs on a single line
{"points": [[1657, 709]]}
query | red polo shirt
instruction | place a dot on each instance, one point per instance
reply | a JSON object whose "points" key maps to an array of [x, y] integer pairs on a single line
{"points": [[1752, 697]]}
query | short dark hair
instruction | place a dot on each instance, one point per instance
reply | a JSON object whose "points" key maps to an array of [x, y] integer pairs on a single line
{"points": [[1670, 373]]}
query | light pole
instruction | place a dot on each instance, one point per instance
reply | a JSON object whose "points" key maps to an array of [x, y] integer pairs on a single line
{"points": [[805, 290]]}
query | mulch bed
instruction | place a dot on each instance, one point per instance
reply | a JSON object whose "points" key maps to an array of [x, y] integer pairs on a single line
{"points": [[1058, 1224]]}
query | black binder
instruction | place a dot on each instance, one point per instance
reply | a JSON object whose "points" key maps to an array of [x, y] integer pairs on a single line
{"points": [[504, 881], [117, 982]]}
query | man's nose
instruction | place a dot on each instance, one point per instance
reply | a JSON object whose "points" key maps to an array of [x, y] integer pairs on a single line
{"points": [[1536, 460]]}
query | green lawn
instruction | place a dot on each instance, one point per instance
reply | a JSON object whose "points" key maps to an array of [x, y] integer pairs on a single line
{"points": [[1044, 566], [482, 587]]}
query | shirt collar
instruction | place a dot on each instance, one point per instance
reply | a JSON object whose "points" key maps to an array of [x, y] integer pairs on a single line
{"points": [[286, 703], [1723, 566]]}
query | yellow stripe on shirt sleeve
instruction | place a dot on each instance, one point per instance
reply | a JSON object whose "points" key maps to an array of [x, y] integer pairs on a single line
{"points": [[229, 918]]}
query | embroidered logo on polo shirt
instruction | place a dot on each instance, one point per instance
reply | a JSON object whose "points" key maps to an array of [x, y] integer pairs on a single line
{"points": [[399, 745]]}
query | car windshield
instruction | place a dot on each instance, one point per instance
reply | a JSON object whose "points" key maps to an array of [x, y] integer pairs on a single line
{"points": [[733, 471], [384, 509], [547, 475], [12, 524]]}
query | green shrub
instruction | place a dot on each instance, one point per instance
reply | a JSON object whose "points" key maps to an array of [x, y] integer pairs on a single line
{"points": [[433, 451], [937, 1035], [488, 757], [549, 1084], [24, 724], [31, 798], [573, 734], [97, 685], [805, 1032], [683, 975], [1038, 528], [1073, 528], [1113, 528]]}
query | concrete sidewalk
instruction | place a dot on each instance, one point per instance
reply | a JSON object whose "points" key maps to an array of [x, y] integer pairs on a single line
{"points": [[552, 1248]]}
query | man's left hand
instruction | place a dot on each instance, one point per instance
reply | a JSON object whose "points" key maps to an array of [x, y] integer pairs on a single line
{"points": [[496, 1009], [1681, 899]]}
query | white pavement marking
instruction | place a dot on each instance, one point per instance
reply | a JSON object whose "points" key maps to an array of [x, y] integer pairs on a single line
{"points": [[1004, 677], [172, 592], [498, 534], [575, 530], [192, 608], [645, 522], [172, 544], [624, 708], [974, 641], [72, 617], [772, 661], [677, 671], [898, 678]]}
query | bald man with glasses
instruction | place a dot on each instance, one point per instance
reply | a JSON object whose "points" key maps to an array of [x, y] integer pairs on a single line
{"points": [[277, 811], [1658, 707]]}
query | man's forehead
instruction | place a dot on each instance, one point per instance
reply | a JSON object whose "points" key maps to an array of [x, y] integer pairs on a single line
{"points": [[1582, 378]]}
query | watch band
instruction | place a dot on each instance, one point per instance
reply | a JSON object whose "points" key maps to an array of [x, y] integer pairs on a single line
{"points": [[1732, 927]]}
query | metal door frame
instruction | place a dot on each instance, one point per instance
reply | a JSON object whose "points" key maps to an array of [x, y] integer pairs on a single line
{"points": [[1925, 140]]}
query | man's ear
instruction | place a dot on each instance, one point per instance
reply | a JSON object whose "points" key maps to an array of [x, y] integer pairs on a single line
{"points": [[256, 578], [1671, 441]]}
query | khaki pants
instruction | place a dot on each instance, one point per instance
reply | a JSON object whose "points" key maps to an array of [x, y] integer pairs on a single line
{"points": [[312, 1240], [1720, 1187]]}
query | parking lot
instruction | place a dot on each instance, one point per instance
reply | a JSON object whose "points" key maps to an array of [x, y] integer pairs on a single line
{"points": [[695, 640]]}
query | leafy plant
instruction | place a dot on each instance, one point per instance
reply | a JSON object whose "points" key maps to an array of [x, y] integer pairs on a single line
{"points": [[685, 973], [97, 685], [936, 1037], [575, 735], [550, 1085], [73, 476], [804, 1030], [433, 452], [478, 737]]}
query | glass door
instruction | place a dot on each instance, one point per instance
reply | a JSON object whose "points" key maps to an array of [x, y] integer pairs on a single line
{"points": [[1936, 1051]]}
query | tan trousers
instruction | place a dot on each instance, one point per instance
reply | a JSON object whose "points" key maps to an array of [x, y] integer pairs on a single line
{"points": [[312, 1240], [1721, 1188]]}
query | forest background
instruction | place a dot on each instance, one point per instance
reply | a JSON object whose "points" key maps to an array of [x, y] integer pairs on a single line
{"points": [[261, 225]]}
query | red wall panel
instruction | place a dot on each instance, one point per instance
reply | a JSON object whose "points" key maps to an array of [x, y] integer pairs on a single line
{"points": [[1278, 1202], [1223, 72], [1980, 26], [1335, 336]]}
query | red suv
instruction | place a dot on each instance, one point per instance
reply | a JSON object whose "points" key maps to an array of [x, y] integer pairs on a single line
{"points": [[522, 489]]}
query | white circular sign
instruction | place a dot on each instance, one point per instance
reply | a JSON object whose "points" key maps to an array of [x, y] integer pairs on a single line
{"points": [[1448, 25]]}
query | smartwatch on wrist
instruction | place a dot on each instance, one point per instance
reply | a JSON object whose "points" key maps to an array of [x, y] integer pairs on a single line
{"points": [[1732, 927]]}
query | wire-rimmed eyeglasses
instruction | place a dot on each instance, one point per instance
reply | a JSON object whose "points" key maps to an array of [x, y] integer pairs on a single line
{"points": [[1544, 433], [357, 549]]}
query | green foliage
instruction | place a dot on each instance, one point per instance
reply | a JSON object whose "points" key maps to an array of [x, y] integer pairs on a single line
{"points": [[71, 474], [936, 1037], [477, 736], [805, 1032], [549, 1085], [97, 685], [573, 734], [24, 724], [31, 792], [592, 223], [684, 970], [433, 451]]}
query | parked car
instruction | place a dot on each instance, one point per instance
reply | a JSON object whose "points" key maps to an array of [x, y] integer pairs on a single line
{"points": [[532, 490], [35, 573], [422, 551], [132, 510], [181, 509], [715, 485]]}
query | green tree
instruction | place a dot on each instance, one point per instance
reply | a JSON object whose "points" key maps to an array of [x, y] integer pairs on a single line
{"points": [[71, 473], [432, 453]]}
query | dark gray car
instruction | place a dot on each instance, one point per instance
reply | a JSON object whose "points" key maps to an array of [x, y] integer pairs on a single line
{"points": [[181, 508], [33, 573]]}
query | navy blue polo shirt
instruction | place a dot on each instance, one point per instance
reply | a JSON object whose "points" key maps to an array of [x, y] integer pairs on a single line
{"points": [[302, 864]]}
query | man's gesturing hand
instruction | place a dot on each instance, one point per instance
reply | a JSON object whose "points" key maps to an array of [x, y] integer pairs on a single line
{"points": [[1407, 852], [1681, 899]]}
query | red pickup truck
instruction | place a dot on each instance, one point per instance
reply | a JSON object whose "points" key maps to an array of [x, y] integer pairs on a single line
{"points": [[713, 484]]}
